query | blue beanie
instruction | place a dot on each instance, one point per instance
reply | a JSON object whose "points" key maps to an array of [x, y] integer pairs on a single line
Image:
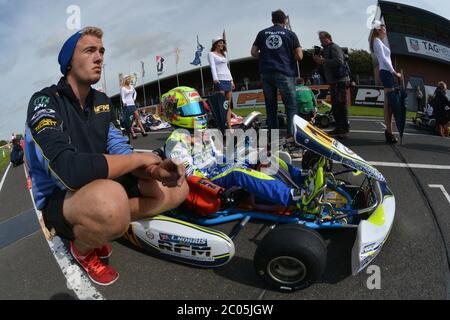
{"points": [[66, 53]]}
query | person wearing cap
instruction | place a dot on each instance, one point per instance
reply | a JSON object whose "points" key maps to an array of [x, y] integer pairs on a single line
{"points": [[386, 73], [86, 179], [278, 49], [223, 81]]}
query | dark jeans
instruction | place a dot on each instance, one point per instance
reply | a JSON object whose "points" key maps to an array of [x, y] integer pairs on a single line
{"points": [[338, 93], [129, 117], [272, 82]]}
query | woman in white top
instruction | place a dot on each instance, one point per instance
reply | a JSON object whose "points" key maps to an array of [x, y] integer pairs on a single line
{"points": [[386, 72], [128, 95], [223, 81]]}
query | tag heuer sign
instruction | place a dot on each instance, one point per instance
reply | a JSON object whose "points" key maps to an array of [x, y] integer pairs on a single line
{"points": [[428, 48], [414, 45]]}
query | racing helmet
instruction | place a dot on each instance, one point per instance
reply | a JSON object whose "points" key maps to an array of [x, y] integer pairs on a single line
{"points": [[184, 107]]}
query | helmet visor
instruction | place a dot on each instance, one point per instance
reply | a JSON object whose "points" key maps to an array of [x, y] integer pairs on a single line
{"points": [[192, 109]]}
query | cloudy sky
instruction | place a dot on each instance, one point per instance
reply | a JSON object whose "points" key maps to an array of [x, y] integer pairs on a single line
{"points": [[32, 32]]}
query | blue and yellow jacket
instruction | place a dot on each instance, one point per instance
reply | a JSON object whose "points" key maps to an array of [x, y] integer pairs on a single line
{"points": [[65, 143]]}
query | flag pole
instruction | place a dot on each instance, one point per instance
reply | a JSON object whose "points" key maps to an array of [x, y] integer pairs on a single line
{"points": [[143, 88], [176, 64], [224, 36], [290, 29], [203, 85], [143, 84], [159, 89]]}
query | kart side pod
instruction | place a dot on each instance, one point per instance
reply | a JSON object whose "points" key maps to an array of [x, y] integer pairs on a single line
{"points": [[182, 241], [373, 232]]}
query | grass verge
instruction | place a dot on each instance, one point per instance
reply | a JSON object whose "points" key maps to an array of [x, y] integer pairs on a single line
{"points": [[4, 161], [353, 111]]}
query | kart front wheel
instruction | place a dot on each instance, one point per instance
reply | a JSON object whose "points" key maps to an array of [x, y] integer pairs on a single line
{"points": [[291, 257]]}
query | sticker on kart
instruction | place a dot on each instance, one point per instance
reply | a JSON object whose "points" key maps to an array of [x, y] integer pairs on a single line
{"points": [[181, 241], [318, 141]]}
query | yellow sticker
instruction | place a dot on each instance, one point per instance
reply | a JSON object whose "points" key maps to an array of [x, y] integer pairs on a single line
{"points": [[101, 108], [45, 123]]}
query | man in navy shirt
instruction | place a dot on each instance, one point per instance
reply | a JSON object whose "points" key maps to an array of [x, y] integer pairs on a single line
{"points": [[278, 50], [86, 179]]}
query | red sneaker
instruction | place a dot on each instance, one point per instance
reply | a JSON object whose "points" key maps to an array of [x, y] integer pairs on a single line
{"points": [[105, 251], [99, 272]]}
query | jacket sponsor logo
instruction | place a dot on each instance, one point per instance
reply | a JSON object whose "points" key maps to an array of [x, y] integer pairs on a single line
{"points": [[41, 102], [101, 108], [42, 113], [45, 123]]}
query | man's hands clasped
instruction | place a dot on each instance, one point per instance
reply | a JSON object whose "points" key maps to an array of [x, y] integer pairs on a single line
{"points": [[166, 171]]}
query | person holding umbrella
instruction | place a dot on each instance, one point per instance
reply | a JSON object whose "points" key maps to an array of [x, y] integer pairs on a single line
{"points": [[386, 73], [223, 81]]}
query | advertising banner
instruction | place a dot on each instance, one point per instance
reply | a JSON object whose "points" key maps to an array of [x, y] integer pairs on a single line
{"points": [[428, 48], [368, 96], [255, 98]]}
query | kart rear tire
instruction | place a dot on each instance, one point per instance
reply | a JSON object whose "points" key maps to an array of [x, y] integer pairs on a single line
{"points": [[282, 121], [291, 257], [324, 122]]}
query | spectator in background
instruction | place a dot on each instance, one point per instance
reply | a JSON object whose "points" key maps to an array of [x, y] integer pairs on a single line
{"points": [[306, 101], [223, 81], [335, 69], [316, 79], [441, 107], [308, 82], [419, 98], [13, 136], [278, 49], [16, 156], [429, 110], [128, 95], [386, 73]]}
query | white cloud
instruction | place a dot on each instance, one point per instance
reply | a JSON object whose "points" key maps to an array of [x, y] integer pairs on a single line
{"points": [[32, 32]]}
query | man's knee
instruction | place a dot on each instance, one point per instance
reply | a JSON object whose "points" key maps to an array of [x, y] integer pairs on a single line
{"points": [[110, 213]]}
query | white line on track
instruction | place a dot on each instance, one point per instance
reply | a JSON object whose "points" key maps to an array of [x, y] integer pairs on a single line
{"points": [[400, 165], [76, 278], [365, 119], [440, 186], [4, 176], [409, 165], [376, 163], [406, 133]]}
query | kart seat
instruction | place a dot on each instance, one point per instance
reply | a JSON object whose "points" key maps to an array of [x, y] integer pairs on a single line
{"points": [[206, 198]]}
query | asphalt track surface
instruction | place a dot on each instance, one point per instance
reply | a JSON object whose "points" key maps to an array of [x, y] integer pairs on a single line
{"points": [[413, 263]]}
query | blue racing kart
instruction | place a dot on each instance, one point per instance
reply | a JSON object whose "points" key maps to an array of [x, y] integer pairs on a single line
{"points": [[292, 255]]}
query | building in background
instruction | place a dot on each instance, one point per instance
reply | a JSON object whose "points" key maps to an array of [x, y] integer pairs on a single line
{"points": [[420, 44]]}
